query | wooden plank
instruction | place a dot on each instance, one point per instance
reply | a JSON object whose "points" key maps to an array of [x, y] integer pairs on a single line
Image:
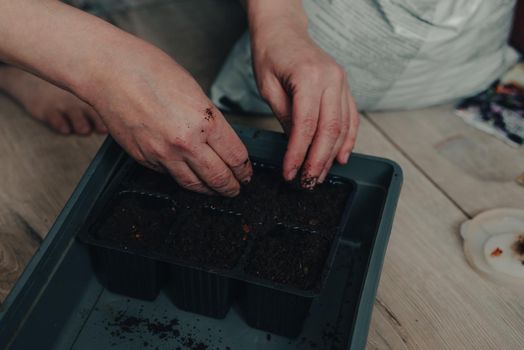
{"points": [[476, 170], [429, 297], [39, 170]]}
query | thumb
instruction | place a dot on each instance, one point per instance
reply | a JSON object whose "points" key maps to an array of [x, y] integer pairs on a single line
{"points": [[275, 95]]}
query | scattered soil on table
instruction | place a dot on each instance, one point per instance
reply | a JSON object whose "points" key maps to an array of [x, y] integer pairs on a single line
{"points": [[210, 239], [289, 256], [138, 221], [123, 327]]}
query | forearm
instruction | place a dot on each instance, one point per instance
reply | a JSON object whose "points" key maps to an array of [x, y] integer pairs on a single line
{"points": [[272, 14], [66, 46], [517, 35]]}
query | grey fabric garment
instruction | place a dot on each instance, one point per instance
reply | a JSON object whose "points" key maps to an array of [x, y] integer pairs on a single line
{"points": [[397, 53]]}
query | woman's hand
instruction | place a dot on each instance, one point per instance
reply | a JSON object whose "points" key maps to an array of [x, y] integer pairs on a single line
{"points": [[163, 119], [305, 87]]}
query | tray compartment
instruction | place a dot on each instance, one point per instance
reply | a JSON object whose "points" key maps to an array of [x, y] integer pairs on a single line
{"points": [[284, 256], [128, 274], [273, 310], [129, 223], [200, 291], [204, 239]]}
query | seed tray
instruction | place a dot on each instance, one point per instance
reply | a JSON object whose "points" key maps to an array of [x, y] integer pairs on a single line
{"points": [[58, 303], [205, 287]]}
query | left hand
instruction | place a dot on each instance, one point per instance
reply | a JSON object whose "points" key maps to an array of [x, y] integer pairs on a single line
{"points": [[309, 93]]}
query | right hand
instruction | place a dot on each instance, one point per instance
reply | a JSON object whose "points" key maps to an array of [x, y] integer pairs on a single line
{"points": [[162, 118]]}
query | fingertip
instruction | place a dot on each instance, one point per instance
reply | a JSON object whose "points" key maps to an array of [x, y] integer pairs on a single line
{"points": [[233, 193], [290, 166], [323, 175], [343, 157], [246, 181]]}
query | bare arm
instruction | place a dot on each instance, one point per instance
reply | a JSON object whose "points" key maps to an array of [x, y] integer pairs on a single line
{"points": [[150, 104], [61, 43]]}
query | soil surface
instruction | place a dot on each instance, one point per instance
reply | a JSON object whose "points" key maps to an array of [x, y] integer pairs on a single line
{"points": [[285, 231], [137, 221], [289, 256], [210, 239]]}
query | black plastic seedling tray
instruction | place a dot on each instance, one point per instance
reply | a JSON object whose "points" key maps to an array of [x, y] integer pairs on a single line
{"points": [[59, 303], [125, 266]]}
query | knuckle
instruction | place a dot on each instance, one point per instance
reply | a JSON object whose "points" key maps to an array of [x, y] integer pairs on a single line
{"points": [[180, 142], [157, 150], [308, 126], [311, 71], [333, 128], [220, 180], [335, 71], [238, 157], [190, 185]]}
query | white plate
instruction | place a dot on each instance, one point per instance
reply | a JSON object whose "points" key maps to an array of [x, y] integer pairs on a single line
{"points": [[489, 245]]}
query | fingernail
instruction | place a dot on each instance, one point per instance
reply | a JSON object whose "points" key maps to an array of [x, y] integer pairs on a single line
{"points": [[322, 176], [345, 158], [291, 175], [246, 181]]}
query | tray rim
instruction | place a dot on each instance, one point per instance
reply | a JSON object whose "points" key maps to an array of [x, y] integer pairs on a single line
{"points": [[85, 237]]}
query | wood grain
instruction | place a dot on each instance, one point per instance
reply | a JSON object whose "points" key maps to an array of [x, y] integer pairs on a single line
{"points": [[476, 170], [39, 170], [429, 297]]}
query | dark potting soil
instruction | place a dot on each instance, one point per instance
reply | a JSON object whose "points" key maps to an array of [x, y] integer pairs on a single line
{"points": [[320, 209], [214, 231], [147, 180], [210, 239], [137, 222], [289, 256]]}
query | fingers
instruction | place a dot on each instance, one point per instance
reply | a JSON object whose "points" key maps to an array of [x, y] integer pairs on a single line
{"points": [[186, 178], [58, 122], [354, 122], [344, 130], [96, 121], [306, 106], [227, 145], [79, 122], [212, 170], [327, 135]]}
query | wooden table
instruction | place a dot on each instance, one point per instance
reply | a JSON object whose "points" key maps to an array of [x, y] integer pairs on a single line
{"points": [[429, 297]]}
